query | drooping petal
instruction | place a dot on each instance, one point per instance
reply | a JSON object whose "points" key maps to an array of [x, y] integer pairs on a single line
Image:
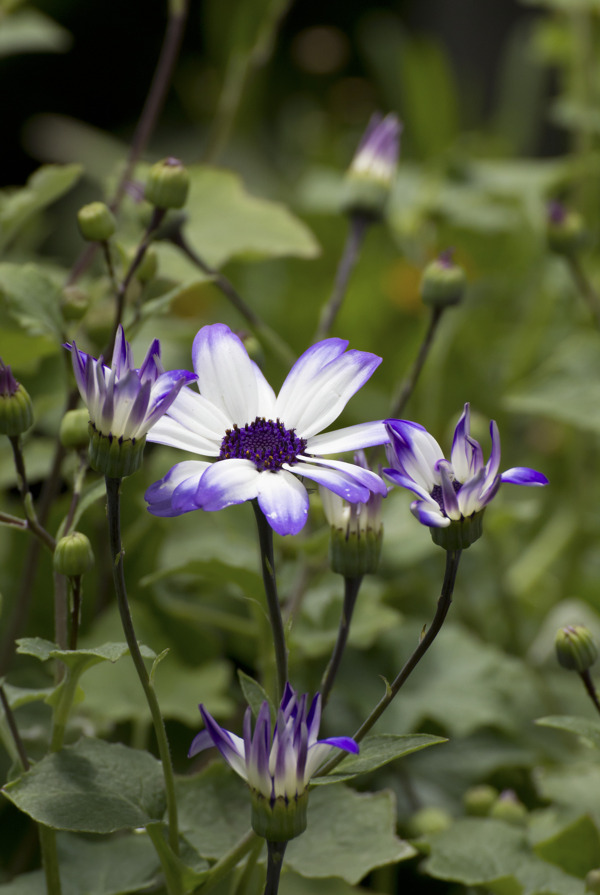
{"points": [[399, 478], [429, 514], [522, 475], [175, 494], [229, 745], [414, 452], [328, 392], [164, 391], [448, 493], [283, 500], [335, 480], [351, 438], [228, 482]]}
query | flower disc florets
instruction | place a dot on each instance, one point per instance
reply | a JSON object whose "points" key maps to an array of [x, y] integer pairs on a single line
{"points": [[453, 493], [267, 443], [277, 766]]}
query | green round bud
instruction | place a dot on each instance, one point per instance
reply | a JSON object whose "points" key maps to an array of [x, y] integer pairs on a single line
{"points": [[478, 800], [168, 184], [114, 457], [592, 881], [73, 555], [429, 820], [146, 270], [509, 808], [575, 648], [16, 407], [74, 429], [443, 283], [281, 820], [565, 231], [74, 303], [460, 534], [96, 222]]}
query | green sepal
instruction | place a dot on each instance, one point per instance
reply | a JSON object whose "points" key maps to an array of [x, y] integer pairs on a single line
{"points": [[281, 820], [16, 412], [355, 553], [115, 457], [365, 195], [460, 534]]}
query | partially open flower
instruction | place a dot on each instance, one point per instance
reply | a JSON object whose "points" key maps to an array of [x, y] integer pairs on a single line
{"points": [[452, 493], [123, 402], [371, 173], [277, 767]]}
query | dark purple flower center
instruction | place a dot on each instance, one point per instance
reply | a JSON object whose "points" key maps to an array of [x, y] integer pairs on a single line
{"points": [[267, 443], [438, 494]]}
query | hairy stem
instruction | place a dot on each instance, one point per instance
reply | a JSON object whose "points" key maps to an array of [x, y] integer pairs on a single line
{"points": [[265, 538], [351, 589], [359, 224]]}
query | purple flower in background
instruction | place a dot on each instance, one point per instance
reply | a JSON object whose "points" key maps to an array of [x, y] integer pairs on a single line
{"points": [[449, 490], [259, 441], [377, 153], [276, 765], [123, 401]]}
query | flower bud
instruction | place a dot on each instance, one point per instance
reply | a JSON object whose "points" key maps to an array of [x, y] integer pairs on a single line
{"points": [[74, 429], [592, 881], [168, 184], [478, 800], [73, 555], [96, 222], [281, 819], [575, 648], [443, 282], [429, 820], [566, 232], [508, 807], [371, 173], [74, 303], [16, 407]]}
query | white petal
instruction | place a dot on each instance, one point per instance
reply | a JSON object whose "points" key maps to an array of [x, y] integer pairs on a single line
{"points": [[228, 482], [308, 365], [169, 432], [351, 438], [283, 500], [199, 415]]}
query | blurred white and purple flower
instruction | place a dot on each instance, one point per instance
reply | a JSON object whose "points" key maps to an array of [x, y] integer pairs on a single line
{"points": [[261, 441]]}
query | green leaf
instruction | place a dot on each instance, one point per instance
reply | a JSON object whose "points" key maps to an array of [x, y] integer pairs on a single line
{"points": [[115, 866], [348, 835], [77, 660], [575, 786], [214, 809], [30, 31], [45, 185], [583, 727], [19, 696], [377, 751], [483, 851], [92, 787], [216, 572], [292, 884], [254, 694], [575, 849], [31, 298]]}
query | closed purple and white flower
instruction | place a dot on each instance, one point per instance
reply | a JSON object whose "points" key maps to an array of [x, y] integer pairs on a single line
{"points": [[262, 443], [123, 401], [277, 763], [371, 173], [452, 493]]}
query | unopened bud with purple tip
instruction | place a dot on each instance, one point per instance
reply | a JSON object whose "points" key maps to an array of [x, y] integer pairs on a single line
{"points": [[443, 282], [371, 174], [16, 407], [565, 229], [576, 649], [168, 184]]}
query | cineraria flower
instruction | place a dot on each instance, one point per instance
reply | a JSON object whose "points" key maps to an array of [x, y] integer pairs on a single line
{"points": [[450, 492], [277, 768], [372, 170], [123, 402], [261, 441]]}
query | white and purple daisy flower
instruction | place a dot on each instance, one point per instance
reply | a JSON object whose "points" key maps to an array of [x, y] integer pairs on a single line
{"points": [[261, 441], [278, 766], [449, 491], [123, 401]]}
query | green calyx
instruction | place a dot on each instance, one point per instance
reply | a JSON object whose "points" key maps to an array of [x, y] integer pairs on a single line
{"points": [[365, 195], [567, 235], [460, 534], [443, 283], [73, 555], [575, 648], [96, 222], [16, 412], [168, 184], [280, 820], [115, 457], [355, 553]]}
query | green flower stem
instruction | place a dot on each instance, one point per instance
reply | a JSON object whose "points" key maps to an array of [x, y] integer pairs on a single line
{"points": [[590, 688], [68, 689], [359, 224], [584, 286], [275, 852], [113, 487], [408, 386], [246, 884], [261, 330], [75, 611], [13, 521], [61, 613], [78, 482], [351, 589], [32, 521], [14, 730], [265, 538], [227, 862], [443, 605], [50, 859]]}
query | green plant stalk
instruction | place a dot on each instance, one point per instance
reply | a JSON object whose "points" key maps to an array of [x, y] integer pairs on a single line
{"points": [[584, 286], [265, 538], [359, 224], [113, 487], [443, 605], [50, 859], [408, 386], [245, 879], [32, 521], [227, 862], [590, 688], [68, 689], [275, 852], [21, 754], [351, 589]]}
